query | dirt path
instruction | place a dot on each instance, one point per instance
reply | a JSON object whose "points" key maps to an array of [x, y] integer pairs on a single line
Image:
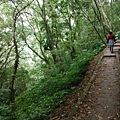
{"points": [[102, 101]]}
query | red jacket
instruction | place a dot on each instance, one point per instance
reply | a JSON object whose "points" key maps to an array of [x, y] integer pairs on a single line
{"points": [[110, 36]]}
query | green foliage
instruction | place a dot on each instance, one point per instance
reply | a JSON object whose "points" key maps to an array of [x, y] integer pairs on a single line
{"points": [[5, 110], [96, 47], [68, 29], [39, 101], [117, 36], [22, 78], [4, 96]]}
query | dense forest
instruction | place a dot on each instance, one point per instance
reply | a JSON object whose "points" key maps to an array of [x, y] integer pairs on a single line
{"points": [[45, 50]]}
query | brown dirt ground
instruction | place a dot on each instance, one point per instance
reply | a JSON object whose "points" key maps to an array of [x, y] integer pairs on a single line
{"points": [[102, 101]]}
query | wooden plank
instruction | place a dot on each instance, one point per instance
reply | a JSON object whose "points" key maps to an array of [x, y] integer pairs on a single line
{"points": [[109, 55], [117, 41], [117, 44], [116, 48]]}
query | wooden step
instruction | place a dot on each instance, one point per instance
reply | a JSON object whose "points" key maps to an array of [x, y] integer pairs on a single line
{"points": [[117, 44], [118, 41], [116, 49], [109, 55]]}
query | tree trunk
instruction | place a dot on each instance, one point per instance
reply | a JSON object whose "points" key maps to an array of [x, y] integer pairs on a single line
{"points": [[12, 89]]}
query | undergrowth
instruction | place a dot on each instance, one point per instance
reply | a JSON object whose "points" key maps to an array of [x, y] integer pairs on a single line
{"points": [[39, 101]]}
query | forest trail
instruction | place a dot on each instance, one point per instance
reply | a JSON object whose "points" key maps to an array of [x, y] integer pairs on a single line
{"points": [[102, 101]]}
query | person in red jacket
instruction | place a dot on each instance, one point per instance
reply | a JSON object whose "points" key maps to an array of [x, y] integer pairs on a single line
{"points": [[110, 41]]}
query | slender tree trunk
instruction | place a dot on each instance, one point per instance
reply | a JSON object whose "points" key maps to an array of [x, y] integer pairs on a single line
{"points": [[99, 17], [88, 18], [12, 89], [50, 43], [106, 19]]}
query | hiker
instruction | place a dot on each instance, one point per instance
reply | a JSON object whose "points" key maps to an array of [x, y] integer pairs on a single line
{"points": [[110, 41]]}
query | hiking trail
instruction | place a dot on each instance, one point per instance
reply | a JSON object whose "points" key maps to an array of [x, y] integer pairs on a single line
{"points": [[98, 96]]}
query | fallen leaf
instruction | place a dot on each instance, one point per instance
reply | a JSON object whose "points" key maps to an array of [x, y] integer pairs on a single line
{"points": [[97, 93]]}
